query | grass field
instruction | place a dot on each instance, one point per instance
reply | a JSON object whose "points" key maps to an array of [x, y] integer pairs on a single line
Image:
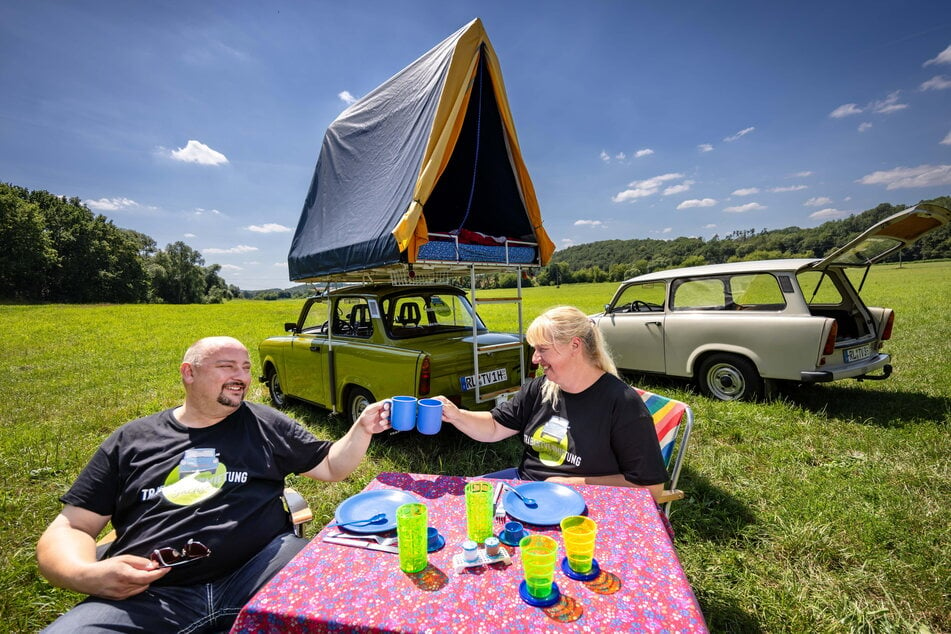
{"points": [[828, 510]]}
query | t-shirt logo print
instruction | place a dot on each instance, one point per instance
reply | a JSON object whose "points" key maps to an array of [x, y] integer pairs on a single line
{"points": [[551, 441], [197, 477]]}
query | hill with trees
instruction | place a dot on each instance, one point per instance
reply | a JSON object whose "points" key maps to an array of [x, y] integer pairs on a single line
{"points": [[616, 260], [54, 249]]}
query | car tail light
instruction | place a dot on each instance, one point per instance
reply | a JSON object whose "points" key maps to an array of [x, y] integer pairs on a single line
{"points": [[887, 333], [425, 374], [830, 340]]}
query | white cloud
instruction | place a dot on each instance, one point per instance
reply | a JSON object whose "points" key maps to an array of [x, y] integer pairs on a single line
{"points": [[605, 157], [944, 57], [825, 214], [111, 204], [642, 153], [946, 140], [817, 201], [710, 226], [697, 202], [269, 227], [346, 97], [845, 110], [889, 104], [667, 230], [648, 187], [802, 174], [938, 82], [567, 242], [746, 191], [705, 147], [739, 134], [189, 235], [678, 189], [790, 188], [589, 223], [198, 152], [742, 209], [201, 212], [231, 268], [282, 265], [620, 156], [241, 248], [908, 177], [865, 125]]}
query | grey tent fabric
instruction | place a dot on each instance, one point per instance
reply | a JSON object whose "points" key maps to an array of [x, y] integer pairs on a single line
{"points": [[373, 156]]}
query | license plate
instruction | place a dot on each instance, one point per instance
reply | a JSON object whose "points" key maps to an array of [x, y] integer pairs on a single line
{"points": [[486, 378], [857, 354]]}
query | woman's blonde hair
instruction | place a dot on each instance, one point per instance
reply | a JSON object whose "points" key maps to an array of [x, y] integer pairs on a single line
{"points": [[557, 327]]}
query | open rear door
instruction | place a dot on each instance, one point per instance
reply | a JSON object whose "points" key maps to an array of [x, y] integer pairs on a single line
{"points": [[884, 238]]}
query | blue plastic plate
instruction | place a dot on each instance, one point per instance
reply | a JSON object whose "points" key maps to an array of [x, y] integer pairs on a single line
{"points": [[365, 505], [555, 503]]}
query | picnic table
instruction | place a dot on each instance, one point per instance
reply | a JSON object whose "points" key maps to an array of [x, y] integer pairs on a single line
{"points": [[329, 586]]}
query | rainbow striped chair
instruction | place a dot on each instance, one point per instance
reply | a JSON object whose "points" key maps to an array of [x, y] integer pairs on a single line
{"points": [[673, 421]]}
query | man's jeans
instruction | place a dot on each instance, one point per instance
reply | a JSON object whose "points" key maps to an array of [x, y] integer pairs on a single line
{"points": [[206, 607]]}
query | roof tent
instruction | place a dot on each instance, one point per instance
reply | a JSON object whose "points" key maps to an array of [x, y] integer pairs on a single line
{"points": [[432, 151]]}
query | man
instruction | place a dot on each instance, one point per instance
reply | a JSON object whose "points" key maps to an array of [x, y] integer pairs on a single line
{"points": [[200, 484]]}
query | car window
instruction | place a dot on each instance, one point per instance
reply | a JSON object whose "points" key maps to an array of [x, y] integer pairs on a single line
{"points": [[819, 288], [757, 291], [315, 322], [415, 315], [647, 297], [353, 318], [702, 293]]}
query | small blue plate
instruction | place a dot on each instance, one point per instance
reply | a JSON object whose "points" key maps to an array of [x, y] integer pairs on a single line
{"points": [[365, 505], [555, 503]]}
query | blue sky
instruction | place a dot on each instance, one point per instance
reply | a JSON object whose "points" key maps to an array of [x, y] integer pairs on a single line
{"points": [[201, 120]]}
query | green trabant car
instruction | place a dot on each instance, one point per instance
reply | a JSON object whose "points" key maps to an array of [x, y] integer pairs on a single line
{"points": [[357, 344]]}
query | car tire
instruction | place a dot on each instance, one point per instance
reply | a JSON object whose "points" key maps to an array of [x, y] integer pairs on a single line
{"points": [[278, 397], [729, 377], [357, 400]]}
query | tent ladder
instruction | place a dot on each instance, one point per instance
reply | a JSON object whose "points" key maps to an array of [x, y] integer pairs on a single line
{"points": [[478, 351]]}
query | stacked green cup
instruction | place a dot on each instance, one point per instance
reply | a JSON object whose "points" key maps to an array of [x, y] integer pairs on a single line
{"points": [[539, 553], [479, 511], [412, 523]]}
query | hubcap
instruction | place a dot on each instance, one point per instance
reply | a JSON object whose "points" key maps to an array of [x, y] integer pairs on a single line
{"points": [[726, 382]]}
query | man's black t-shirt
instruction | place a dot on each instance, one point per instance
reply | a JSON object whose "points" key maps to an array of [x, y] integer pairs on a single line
{"points": [[604, 430], [164, 483]]}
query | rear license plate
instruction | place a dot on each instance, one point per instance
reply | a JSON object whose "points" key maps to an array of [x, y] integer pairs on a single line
{"points": [[857, 354], [486, 378]]}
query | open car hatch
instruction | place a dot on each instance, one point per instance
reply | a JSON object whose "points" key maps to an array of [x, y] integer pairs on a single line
{"points": [[884, 238]]}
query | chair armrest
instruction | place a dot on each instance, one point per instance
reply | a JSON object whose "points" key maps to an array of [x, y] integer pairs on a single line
{"points": [[670, 496]]}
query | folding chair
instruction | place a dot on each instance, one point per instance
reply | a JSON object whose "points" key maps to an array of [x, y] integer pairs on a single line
{"points": [[673, 421]]}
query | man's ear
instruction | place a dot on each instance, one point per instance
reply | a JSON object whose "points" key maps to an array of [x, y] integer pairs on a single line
{"points": [[187, 372]]}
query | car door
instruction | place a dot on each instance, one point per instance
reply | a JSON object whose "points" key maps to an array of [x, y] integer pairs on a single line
{"points": [[306, 363], [633, 327]]}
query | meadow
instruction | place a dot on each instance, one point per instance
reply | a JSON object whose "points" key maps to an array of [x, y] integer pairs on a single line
{"points": [[825, 510]]}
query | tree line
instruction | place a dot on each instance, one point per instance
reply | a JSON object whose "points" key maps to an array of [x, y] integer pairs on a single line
{"points": [[54, 249], [617, 260]]}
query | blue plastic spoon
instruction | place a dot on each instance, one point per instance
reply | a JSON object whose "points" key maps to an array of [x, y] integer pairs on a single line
{"points": [[379, 518]]}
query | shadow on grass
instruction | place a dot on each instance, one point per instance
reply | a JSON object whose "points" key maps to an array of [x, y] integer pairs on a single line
{"points": [[708, 512], [871, 407]]}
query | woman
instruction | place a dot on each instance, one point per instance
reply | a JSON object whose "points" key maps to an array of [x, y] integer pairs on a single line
{"points": [[580, 423]]}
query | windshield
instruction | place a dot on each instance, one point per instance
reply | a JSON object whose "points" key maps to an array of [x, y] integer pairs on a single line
{"points": [[425, 313]]}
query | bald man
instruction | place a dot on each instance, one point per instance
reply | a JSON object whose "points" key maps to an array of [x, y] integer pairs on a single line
{"points": [[194, 495]]}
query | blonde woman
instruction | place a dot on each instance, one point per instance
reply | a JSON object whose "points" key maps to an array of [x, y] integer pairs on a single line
{"points": [[580, 423]]}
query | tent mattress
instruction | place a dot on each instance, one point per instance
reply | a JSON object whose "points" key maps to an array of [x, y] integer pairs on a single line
{"points": [[448, 251]]}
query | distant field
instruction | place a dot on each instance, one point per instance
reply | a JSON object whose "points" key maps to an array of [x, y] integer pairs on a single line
{"points": [[828, 510]]}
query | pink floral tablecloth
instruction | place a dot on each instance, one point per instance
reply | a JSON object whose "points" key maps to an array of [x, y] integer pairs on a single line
{"points": [[330, 587]]}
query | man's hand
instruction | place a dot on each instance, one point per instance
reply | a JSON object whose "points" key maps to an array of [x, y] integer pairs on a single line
{"points": [[375, 418], [118, 577]]}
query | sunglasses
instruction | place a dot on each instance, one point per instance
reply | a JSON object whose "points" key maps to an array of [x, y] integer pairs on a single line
{"points": [[167, 557]]}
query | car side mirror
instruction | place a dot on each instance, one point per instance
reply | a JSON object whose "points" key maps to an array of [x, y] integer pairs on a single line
{"points": [[290, 326], [607, 308]]}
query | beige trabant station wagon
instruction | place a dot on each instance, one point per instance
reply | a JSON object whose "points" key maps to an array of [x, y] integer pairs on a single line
{"points": [[738, 328]]}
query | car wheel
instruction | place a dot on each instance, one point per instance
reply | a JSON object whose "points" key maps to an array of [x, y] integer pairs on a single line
{"points": [[357, 401], [729, 377], [278, 397]]}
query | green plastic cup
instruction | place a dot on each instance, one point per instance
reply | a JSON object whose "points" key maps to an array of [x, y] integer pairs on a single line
{"points": [[579, 533], [412, 523], [538, 553], [479, 511]]}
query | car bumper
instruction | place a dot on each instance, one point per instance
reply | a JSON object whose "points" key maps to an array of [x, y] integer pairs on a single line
{"points": [[854, 371]]}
